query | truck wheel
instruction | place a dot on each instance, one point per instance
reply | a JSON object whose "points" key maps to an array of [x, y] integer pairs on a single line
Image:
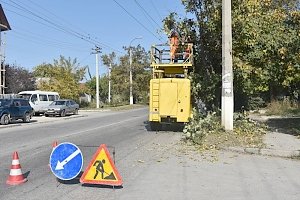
{"points": [[63, 113], [26, 118], [4, 119], [155, 126]]}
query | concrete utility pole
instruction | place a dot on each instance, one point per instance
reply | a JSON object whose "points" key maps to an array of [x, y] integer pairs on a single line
{"points": [[2, 58], [97, 50], [227, 74], [2, 67], [109, 71], [130, 71], [4, 26]]}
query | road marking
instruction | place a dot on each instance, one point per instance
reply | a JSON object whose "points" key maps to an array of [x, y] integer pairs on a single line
{"points": [[44, 141], [104, 126]]}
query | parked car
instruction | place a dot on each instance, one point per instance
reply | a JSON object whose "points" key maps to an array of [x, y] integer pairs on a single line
{"points": [[39, 100], [14, 109], [62, 108]]}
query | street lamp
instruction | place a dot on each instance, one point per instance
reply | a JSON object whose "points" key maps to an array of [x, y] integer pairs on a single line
{"points": [[130, 71]]}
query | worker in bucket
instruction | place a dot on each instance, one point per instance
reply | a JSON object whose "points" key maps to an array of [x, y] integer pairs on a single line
{"points": [[173, 42]]}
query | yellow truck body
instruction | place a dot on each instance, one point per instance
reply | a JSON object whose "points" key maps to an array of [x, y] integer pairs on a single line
{"points": [[170, 100], [170, 88]]}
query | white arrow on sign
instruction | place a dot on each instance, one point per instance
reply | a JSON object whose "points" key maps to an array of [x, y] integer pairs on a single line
{"points": [[60, 165]]}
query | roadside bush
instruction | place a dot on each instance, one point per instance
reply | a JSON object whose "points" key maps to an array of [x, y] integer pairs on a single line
{"points": [[118, 100], [201, 126], [255, 103], [208, 132], [84, 104], [285, 107]]}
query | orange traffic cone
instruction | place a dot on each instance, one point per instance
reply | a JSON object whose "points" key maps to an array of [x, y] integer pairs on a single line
{"points": [[54, 144], [15, 176]]}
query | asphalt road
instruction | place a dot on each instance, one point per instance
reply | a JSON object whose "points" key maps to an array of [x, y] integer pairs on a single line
{"points": [[152, 165]]}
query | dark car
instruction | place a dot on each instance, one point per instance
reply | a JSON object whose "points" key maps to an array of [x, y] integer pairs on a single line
{"points": [[62, 108], [14, 109]]}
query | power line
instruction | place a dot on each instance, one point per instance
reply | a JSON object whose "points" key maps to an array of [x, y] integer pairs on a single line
{"points": [[149, 16], [53, 14], [66, 30], [46, 40], [50, 22], [31, 19], [136, 20], [58, 27], [161, 18], [41, 37], [146, 13], [88, 36], [35, 41]]}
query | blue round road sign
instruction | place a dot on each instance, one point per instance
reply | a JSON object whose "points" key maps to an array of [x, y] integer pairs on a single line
{"points": [[66, 161]]}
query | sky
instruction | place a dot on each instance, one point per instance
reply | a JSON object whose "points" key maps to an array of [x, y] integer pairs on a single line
{"points": [[42, 30]]}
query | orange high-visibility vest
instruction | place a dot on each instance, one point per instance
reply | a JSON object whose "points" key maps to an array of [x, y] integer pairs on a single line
{"points": [[173, 46]]}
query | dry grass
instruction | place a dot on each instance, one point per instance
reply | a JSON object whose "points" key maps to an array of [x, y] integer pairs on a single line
{"points": [[283, 108], [246, 133]]}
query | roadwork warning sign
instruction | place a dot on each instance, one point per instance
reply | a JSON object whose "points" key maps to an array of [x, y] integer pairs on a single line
{"points": [[101, 169]]}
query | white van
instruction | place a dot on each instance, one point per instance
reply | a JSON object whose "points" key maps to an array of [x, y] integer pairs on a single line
{"points": [[39, 100]]}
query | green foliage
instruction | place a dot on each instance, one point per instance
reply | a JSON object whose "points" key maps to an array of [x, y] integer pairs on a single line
{"points": [[207, 132], [248, 133], [91, 86], [200, 127], [265, 47], [84, 104], [255, 103], [62, 76], [103, 88], [120, 77], [204, 30], [18, 79]]}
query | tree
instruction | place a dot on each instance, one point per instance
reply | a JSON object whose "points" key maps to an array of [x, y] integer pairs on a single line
{"points": [[18, 79], [265, 47], [62, 76], [120, 76], [204, 30]]}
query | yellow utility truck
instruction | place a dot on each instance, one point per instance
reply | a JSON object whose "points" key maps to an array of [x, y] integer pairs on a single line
{"points": [[170, 88]]}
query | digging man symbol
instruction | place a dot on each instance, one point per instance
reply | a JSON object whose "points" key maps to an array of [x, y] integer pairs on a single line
{"points": [[99, 164]]}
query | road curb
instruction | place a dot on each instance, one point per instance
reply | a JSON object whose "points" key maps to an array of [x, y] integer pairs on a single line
{"points": [[42, 121], [265, 152], [100, 110]]}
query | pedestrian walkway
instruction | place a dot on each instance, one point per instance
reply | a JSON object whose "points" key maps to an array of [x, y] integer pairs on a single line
{"points": [[278, 142]]}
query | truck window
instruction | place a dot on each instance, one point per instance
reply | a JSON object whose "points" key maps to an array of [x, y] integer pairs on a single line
{"points": [[26, 96], [24, 103], [43, 97], [33, 98], [17, 103], [51, 97]]}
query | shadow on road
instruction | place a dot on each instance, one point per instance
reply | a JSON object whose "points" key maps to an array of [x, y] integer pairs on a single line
{"points": [[102, 186], [73, 181], [26, 174], [165, 127], [289, 126]]}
